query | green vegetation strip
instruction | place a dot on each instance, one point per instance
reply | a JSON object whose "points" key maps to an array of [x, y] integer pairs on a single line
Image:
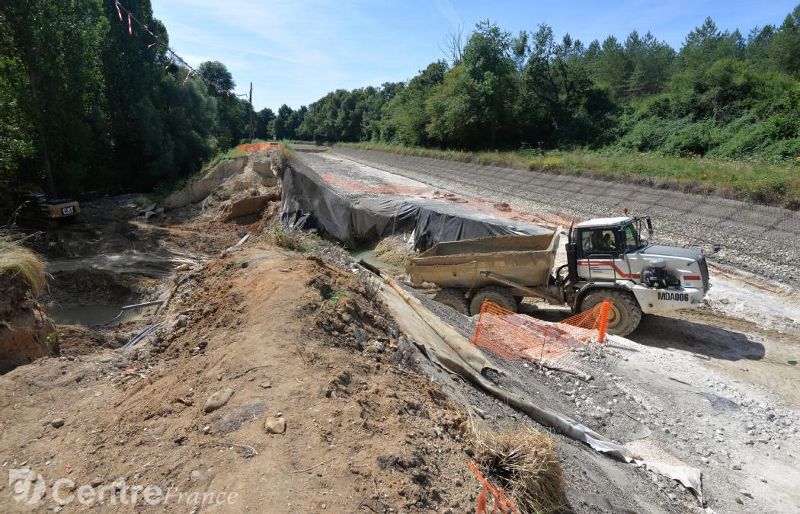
{"points": [[757, 182]]}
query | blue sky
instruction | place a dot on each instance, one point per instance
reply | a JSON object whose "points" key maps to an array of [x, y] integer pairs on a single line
{"points": [[295, 51]]}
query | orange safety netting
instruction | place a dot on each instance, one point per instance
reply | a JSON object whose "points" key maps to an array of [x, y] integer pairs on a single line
{"points": [[520, 337], [501, 503], [259, 147]]}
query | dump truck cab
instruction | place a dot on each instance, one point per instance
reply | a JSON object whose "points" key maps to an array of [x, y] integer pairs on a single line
{"points": [[610, 258]]}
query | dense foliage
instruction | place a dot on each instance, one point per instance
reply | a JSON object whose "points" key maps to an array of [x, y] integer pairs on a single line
{"points": [[84, 106], [722, 94]]}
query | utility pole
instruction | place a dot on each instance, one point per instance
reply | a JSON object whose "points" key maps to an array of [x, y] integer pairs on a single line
{"points": [[252, 116]]}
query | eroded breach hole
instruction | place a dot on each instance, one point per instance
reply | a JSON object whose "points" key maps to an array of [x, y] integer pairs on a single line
{"points": [[82, 301], [92, 297]]}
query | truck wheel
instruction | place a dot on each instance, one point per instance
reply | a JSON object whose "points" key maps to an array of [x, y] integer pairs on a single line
{"points": [[495, 294], [625, 313], [453, 298]]}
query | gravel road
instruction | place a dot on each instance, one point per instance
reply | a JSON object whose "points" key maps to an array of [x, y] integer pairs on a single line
{"points": [[760, 239], [715, 387], [660, 397]]}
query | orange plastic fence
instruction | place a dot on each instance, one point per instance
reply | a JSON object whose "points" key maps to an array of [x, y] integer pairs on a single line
{"points": [[595, 318], [259, 147], [501, 504], [520, 337]]}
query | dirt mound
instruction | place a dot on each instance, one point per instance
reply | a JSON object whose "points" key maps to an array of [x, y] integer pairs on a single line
{"points": [[229, 178], [25, 332], [394, 251], [271, 369]]}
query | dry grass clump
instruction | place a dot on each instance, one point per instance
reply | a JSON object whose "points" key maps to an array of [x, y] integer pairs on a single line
{"points": [[16, 259], [394, 251], [291, 238], [524, 464]]}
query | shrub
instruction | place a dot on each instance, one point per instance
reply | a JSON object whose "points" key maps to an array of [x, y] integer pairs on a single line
{"points": [[292, 238], [691, 138]]}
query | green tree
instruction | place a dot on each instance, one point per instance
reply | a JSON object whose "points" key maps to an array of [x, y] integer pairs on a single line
{"points": [[58, 46], [473, 106], [406, 117], [17, 145], [706, 44], [562, 103], [264, 120], [190, 120], [785, 46], [133, 67], [289, 123], [233, 113], [649, 66]]}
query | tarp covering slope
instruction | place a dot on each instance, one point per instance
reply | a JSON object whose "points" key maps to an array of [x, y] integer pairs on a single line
{"points": [[311, 203]]}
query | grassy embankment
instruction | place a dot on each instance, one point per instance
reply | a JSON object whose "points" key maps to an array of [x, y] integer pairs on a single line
{"points": [[757, 182]]}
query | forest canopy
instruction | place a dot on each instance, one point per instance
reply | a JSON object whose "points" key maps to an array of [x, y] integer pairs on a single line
{"points": [[722, 94], [87, 104]]}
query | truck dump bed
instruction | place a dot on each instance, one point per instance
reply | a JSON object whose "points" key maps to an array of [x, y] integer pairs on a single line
{"points": [[526, 260]]}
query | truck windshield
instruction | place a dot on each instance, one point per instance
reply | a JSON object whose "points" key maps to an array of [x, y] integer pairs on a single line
{"points": [[632, 239]]}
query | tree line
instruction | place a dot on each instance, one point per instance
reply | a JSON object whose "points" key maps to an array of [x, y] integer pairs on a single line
{"points": [[87, 106], [722, 94]]}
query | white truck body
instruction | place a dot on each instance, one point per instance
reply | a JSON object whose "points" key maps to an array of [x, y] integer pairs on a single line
{"points": [[683, 280]]}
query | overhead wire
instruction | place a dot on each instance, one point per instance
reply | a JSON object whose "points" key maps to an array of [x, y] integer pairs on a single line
{"points": [[172, 55]]}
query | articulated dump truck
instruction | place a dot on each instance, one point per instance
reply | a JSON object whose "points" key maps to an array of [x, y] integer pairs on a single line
{"points": [[606, 259]]}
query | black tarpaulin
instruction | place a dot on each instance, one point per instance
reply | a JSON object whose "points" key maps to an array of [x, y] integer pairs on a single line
{"points": [[438, 222], [311, 203]]}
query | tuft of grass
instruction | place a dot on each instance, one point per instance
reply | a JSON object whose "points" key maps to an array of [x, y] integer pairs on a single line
{"points": [[334, 300], [754, 181], [233, 153], [395, 251], [289, 151], [524, 464], [15, 259], [292, 239]]}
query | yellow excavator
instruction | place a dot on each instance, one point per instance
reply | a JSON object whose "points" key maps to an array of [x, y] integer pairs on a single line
{"points": [[27, 205]]}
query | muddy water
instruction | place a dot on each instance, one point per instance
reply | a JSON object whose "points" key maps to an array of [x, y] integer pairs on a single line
{"points": [[91, 314]]}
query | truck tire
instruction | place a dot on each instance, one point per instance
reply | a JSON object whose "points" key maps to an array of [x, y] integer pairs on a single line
{"points": [[625, 312], [453, 298], [495, 294]]}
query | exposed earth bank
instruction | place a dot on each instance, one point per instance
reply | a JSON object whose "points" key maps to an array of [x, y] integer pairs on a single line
{"points": [[273, 378], [25, 331]]}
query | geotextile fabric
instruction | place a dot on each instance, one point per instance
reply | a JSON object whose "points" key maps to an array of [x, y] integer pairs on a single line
{"points": [[310, 203]]}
